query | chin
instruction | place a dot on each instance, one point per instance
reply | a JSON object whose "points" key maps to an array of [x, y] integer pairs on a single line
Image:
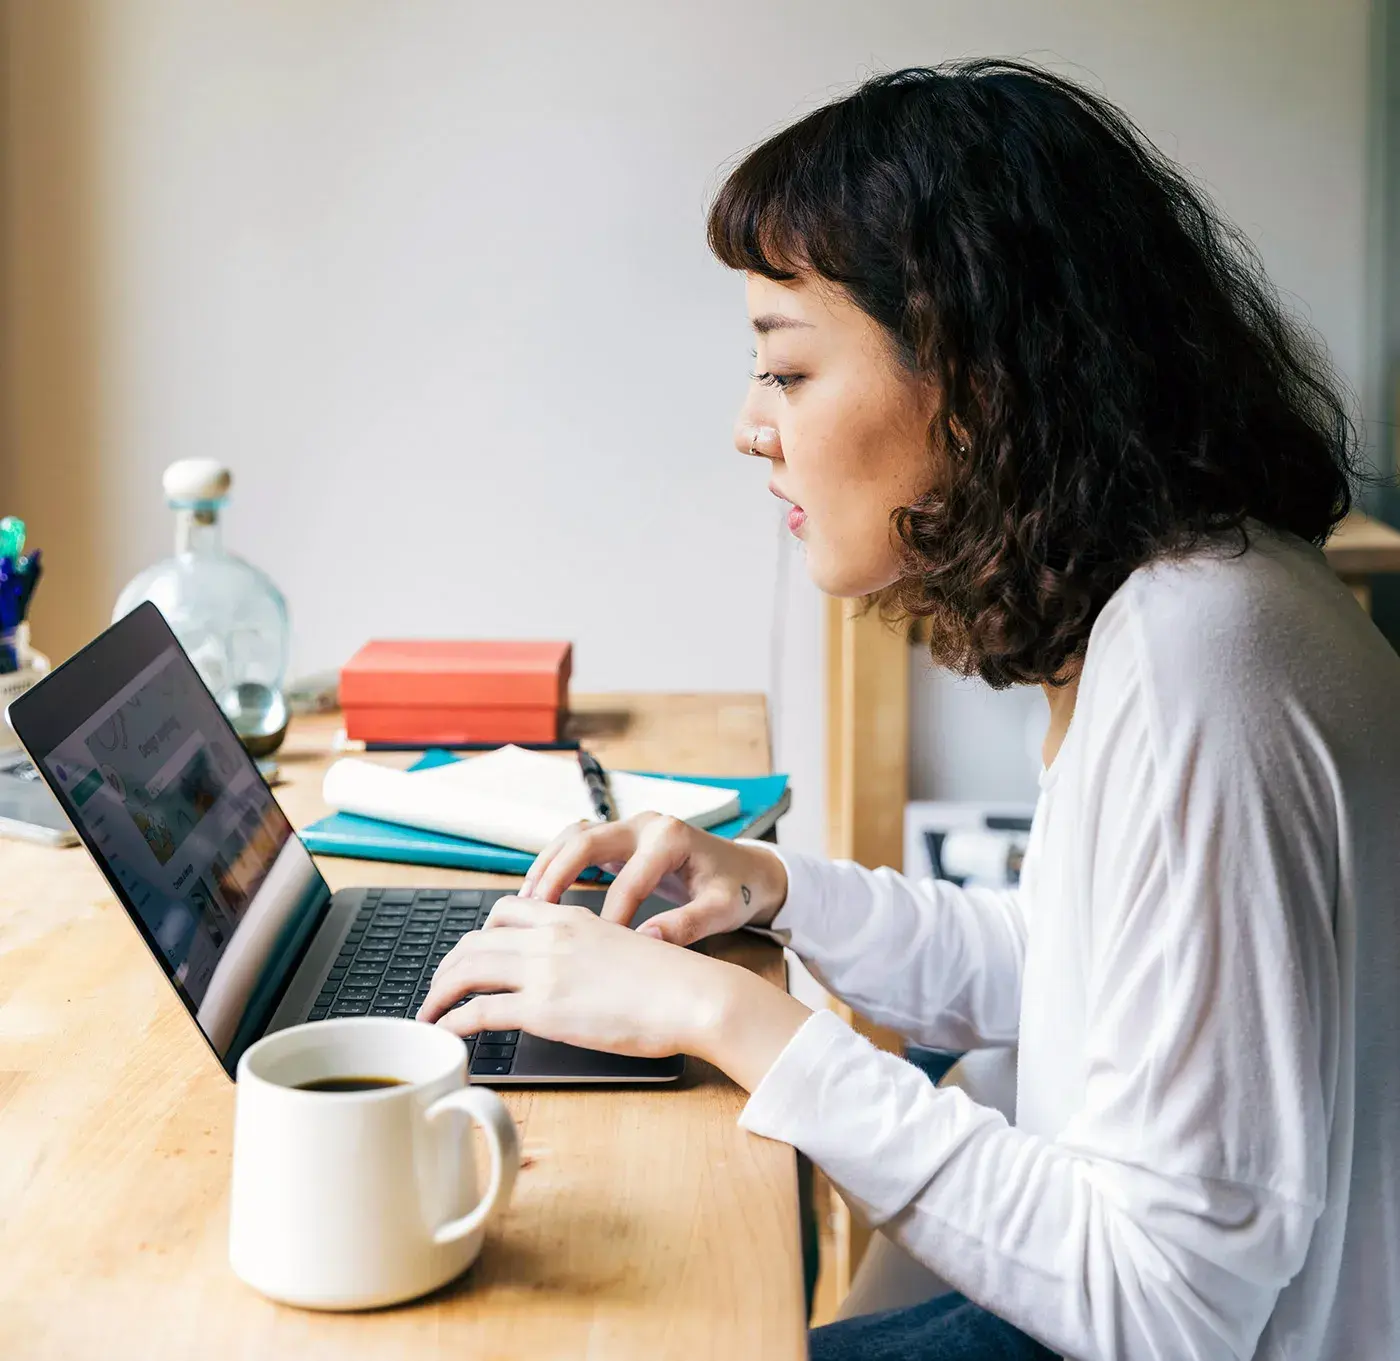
{"points": [[845, 580]]}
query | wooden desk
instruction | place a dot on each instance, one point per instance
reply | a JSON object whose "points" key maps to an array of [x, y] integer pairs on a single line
{"points": [[644, 1224]]}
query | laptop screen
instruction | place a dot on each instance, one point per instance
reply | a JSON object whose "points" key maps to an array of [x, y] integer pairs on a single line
{"points": [[188, 833]]}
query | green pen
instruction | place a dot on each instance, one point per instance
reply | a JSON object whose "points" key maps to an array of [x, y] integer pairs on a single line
{"points": [[11, 537]]}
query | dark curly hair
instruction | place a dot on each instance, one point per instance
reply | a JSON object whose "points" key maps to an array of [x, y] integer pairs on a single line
{"points": [[1117, 377]]}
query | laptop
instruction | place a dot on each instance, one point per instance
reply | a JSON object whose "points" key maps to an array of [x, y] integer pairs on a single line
{"points": [[229, 901]]}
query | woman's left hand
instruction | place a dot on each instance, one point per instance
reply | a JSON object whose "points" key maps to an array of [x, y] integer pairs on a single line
{"points": [[560, 972]]}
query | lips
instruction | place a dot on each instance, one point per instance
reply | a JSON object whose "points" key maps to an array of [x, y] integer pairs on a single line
{"points": [[797, 517]]}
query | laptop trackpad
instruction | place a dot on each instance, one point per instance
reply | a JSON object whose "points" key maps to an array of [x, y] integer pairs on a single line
{"points": [[566, 1062]]}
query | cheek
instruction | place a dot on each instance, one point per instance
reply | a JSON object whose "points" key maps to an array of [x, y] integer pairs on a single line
{"points": [[851, 469], [850, 547], [853, 459]]}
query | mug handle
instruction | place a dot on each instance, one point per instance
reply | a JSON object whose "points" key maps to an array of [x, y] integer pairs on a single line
{"points": [[489, 1111]]}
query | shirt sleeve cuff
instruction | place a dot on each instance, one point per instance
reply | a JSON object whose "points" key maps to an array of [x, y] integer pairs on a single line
{"points": [[860, 1114], [775, 1107], [805, 891]]}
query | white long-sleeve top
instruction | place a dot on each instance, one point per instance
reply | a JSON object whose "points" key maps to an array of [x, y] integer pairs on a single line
{"points": [[1201, 969]]}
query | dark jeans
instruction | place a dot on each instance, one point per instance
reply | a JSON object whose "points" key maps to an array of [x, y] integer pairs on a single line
{"points": [[948, 1328]]}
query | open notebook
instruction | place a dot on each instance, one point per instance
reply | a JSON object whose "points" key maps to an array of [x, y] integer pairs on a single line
{"points": [[511, 797], [763, 799]]}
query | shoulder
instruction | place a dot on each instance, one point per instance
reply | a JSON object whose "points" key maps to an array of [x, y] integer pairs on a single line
{"points": [[1186, 723], [1207, 659], [1218, 621], [1253, 667]]}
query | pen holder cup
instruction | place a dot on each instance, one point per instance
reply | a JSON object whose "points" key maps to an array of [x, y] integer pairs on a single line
{"points": [[14, 646]]}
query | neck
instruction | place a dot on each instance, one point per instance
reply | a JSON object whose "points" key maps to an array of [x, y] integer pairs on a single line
{"points": [[1061, 700], [197, 531]]}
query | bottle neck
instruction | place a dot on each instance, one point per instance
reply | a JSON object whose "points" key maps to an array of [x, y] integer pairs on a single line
{"points": [[197, 531]]}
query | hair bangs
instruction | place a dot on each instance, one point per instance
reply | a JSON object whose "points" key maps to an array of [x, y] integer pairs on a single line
{"points": [[779, 212]]}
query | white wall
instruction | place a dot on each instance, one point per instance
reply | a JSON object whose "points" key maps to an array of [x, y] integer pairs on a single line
{"points": [[431, 276]]}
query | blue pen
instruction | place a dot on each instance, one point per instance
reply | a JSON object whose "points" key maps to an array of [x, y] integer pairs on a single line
{"points": [[18, 578], [10, 585], [32, 569]]}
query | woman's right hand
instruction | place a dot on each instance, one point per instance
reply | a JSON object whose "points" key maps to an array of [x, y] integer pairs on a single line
{"points": [[718, 885]]}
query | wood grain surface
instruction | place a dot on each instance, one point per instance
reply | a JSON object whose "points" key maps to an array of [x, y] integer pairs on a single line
{"points": [[644, 1224], [1361, 546]]}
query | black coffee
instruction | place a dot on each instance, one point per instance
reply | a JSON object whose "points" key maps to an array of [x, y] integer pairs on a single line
{"points": [[349, 1084]]}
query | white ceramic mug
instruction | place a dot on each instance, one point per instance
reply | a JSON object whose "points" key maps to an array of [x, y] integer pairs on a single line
{"points": [[352, 1200]]}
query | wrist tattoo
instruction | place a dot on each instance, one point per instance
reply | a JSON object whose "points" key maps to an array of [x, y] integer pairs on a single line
{"points": [[744, 889]]}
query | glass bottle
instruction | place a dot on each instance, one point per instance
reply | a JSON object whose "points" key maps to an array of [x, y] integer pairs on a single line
{"points": [[226, 613]]}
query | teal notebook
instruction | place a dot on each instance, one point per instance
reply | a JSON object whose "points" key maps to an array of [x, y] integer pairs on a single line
{"points": [[763, 799]]}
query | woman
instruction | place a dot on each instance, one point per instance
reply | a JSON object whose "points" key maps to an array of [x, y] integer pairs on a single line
{"points": [[1014, 374]]}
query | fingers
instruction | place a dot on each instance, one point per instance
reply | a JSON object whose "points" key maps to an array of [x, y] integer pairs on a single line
{"points": [[497, 1011], [497, 917], [685, 925], [541, 861], [493, 959], [480, 962], [593, 845], [528, 912], [663, 846]]}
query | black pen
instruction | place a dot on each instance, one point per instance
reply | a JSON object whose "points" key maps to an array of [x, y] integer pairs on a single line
{"points": [[596, 778]]}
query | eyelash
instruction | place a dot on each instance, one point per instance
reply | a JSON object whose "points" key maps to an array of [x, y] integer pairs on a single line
{"points": [[781, 381]]}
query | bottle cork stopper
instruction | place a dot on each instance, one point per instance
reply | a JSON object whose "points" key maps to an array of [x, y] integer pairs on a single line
{"points": [[196, 481]]}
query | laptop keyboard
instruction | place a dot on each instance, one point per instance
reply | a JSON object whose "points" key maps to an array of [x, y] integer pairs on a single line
{"points": [[386, 964]]}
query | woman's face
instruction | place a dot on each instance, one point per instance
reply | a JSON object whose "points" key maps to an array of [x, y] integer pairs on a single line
{"points": [[845, 425]]}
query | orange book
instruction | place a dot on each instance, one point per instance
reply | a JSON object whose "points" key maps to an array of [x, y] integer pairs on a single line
{"points": [[421, 725], [442, 675]]}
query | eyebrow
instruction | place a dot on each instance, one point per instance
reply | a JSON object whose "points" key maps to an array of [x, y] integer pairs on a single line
{"points": [[776, 321]]}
